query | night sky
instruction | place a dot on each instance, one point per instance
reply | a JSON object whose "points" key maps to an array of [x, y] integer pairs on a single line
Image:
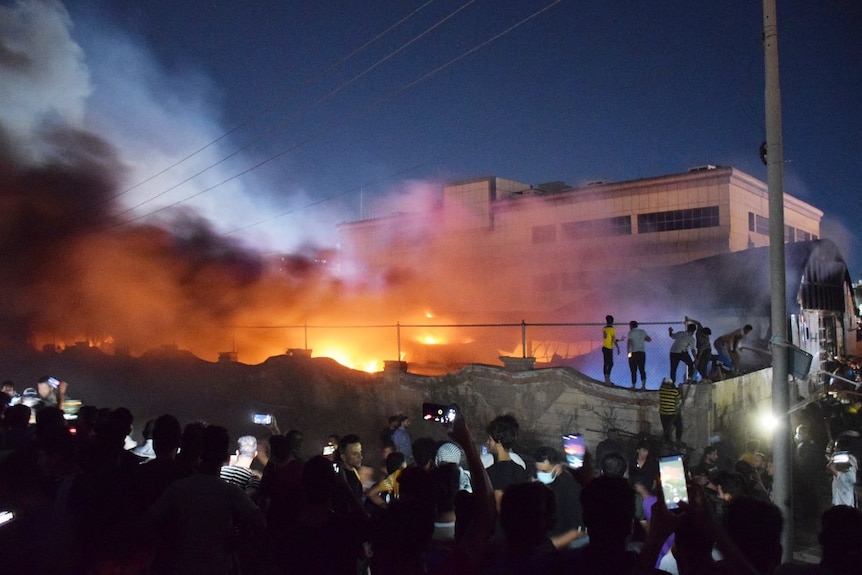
{"points": [[278, 120]]}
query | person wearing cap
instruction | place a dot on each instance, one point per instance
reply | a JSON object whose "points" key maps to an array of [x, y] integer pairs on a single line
{"points": [[449, 452]]}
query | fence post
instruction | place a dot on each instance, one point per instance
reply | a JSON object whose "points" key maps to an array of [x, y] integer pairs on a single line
{"points": [[398, 338], [523, 338], [306, 336]]}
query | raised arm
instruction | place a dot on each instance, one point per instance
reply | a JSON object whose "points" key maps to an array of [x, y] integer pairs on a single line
{"points": [[485, 511]]}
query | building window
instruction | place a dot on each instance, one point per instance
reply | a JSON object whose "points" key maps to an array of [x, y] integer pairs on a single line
{"points": [[618, 226], [789, 234], [543, 234], [761, 225], [689, 219], [750, 221], [802, 236]]}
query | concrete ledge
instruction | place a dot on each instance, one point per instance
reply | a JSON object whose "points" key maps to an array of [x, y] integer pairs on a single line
{"points": [[393, 365], [518, 363]]}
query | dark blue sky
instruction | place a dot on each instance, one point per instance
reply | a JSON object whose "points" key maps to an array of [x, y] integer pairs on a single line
{"points": [[581, 91]]}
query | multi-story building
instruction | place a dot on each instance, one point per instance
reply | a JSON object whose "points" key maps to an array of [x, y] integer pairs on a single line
{"points": [[532, 249]]}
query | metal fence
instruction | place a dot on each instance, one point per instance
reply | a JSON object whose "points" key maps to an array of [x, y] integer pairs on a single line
{"points": [[444, 346]]}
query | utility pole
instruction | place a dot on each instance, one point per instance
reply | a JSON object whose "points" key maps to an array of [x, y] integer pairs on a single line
{"points": [[782, 481]]}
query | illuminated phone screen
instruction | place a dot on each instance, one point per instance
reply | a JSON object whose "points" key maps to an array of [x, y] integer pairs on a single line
{"points": [[673, 480], [574, 450]]}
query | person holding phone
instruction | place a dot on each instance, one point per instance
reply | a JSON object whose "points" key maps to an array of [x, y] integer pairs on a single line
{"points": [[843, 467]]}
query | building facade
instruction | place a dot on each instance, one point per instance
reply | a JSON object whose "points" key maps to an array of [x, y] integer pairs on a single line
{"points": [[544, 244]]}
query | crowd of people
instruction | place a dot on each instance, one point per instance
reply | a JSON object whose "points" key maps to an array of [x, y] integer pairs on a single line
{"points": [[691, 347], [80, 497]]}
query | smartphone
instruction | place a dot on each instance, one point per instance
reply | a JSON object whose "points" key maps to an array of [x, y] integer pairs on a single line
{"points": [[262, 418], [574, 450], [54, 382], [328, 449], [673, 480], [841, 457], [439, 413]]}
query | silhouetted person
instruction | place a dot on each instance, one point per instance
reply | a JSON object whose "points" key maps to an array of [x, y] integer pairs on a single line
{"points": [[401, 534], [103, 497], [204, 514], [527, 514], [281, 494], [613, 464], [609, 510], [190, 446], [324, 541], [754, 526], [17, 433], [424, 450], [153, 477], [840, 534]]}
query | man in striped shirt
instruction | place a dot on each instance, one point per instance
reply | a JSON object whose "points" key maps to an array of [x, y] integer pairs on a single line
{"points": [[668, 408], [239, 472]]}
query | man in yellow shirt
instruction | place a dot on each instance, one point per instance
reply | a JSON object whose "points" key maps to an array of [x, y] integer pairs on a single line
{"points": [[609, 341]]}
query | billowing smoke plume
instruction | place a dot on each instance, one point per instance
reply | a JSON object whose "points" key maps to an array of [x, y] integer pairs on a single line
{"points": [[77, 264], [68, 272]]}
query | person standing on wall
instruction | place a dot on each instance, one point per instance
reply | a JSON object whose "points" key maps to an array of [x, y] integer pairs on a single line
{"points": [[609, 342], [637, 353], [682, 342], [703, 357]]}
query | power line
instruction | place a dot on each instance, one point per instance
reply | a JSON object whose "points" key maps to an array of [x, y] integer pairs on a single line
{"points": [[332, 127], [302, 112]]}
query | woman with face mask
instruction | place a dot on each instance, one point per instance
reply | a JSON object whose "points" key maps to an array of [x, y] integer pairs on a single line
{"points": [[551, 470]]}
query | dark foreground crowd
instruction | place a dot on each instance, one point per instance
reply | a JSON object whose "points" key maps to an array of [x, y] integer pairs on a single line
{"points": [[79, 502]]}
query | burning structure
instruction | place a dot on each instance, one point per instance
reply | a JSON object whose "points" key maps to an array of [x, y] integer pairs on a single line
{"points": [[651, 249], [80, 264], [533, 250]]}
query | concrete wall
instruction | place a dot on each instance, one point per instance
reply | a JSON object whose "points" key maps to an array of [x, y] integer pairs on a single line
{"points": [[555, 401]]}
